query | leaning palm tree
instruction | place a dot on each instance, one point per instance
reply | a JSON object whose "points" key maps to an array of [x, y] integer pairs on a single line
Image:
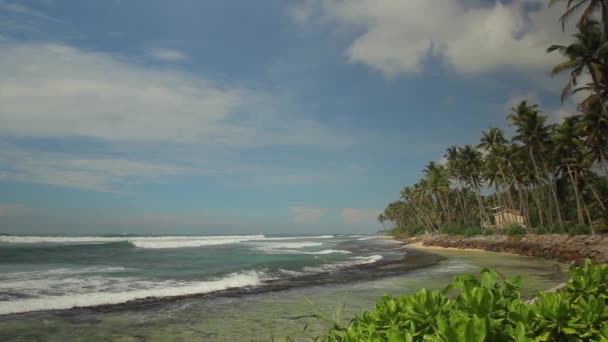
{"points": [[594, 128], [587, 53], [534, 135], [494, 144], [568, 153], [589, 7], [471, 160]]}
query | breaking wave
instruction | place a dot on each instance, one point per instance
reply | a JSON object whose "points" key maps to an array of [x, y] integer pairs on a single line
{"points": [[110, 291], [141, 242]]}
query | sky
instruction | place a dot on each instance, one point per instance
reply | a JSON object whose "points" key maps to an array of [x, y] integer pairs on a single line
{"points": [[240, 117]]}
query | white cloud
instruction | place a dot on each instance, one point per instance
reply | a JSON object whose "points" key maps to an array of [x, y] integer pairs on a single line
{"points": [[354, 216], [167, 54], [306, 214], [55, 90], [398, 37], [162, 122]]}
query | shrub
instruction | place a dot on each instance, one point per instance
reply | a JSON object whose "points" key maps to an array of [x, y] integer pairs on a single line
{"points": [[472, 231], [453, 228], [408, 230], [488, 308], [487, 232], [578, 229], [541, 231], [516, 229]]}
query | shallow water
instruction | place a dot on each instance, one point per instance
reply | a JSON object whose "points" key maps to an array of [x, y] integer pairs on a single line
{"points": [[259, 317]]}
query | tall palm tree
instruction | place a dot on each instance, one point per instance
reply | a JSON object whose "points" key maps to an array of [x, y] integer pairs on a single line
{"points": [[588, 7], [471, 161], [568, 153], [437, 180], [587, 53], [534, 135], [594, 128], [494, 144]]}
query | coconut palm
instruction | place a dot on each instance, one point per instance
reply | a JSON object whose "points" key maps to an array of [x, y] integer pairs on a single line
{"points": [[588, 8], [588, 54], [594, 128], [568, 154], [533, 133]]}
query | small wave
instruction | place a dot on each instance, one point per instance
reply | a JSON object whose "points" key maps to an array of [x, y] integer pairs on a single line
{"points": [[298, 251], [367, 238], [299, 238], [151, 289], [141, 242], [356, 261], [61, 271], [280, 245]]}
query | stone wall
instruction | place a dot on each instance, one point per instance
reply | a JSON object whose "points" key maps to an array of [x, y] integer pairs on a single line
{"points": [[556, 247]]}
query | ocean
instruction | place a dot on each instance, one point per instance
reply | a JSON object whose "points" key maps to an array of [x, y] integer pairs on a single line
{"points": [[212, 287]]}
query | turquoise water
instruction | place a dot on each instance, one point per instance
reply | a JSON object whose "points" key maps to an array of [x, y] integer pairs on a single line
{"points": [[348, 280], [43, 273]]}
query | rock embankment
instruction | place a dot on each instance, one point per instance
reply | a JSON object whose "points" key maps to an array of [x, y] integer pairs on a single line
{"points": [[556, 247]]}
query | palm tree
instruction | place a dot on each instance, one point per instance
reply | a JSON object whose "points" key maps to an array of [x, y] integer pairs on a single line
{"points": [[588, 53], [534, 135], [588, 7], [568, 153], [471, 162], [594, 128], [494, 144], [439, 185]]}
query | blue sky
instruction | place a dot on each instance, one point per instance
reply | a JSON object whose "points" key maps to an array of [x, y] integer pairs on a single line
{"points": [[237, 116]]}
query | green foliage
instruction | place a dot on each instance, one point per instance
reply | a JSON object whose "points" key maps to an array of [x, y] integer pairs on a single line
{"points": [[541, 231], [488, 308], [488, 232], [515, 229], [453, 228], [412, 230], [578, 229]]}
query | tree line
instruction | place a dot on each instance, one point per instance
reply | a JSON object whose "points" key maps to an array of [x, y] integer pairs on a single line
{"points": [[556, 175]]}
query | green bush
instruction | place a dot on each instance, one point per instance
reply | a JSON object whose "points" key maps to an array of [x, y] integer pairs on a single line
{"points": [[516, 229], [488, 308], [541, 231], [487, 232], [409, 230], [453, 228], [578, 229]]}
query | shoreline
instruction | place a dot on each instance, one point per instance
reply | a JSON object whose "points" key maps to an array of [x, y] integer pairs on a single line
{"points": [[352, 274], [557, 247]]}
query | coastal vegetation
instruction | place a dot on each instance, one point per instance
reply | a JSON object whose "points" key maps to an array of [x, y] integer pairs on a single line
{"points": [[553, 174], [488, 308]]}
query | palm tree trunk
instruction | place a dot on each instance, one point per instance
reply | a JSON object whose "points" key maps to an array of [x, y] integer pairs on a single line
{"points": [[605, 16], [597, 197], [579, 210]]}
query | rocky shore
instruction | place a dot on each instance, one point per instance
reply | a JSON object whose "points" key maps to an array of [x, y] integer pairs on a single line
{"points": [[562, 248]]}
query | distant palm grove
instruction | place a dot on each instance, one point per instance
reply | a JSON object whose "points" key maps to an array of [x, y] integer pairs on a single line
{"points": [[554, 175]]}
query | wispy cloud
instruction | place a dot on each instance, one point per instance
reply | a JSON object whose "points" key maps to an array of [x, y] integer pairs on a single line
{"points": [[169, 55], [165, 123], [307, 214], [359, 216]]}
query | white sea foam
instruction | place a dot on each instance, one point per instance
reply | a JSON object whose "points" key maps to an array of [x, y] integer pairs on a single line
{"points": [[61, 271], [142, 242], [367, 238], [280, 245], [299, 251], [356, 261], [118, 290], [299, 238]]}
